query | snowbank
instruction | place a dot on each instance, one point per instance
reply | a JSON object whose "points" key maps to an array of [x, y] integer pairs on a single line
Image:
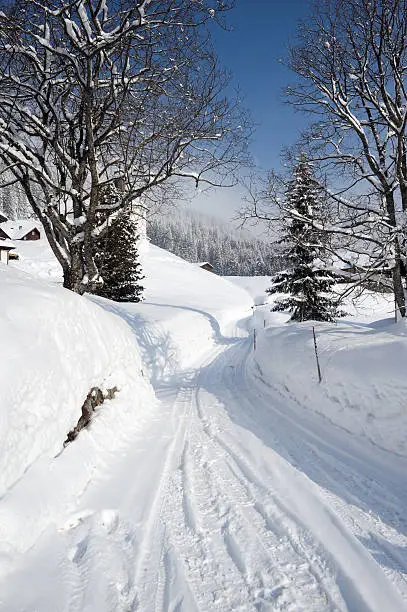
{"points": [[186, 311], [55, 347], [364, 384], [37, 258]]}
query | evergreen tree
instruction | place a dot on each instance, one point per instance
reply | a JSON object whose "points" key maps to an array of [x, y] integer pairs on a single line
{"points": [[117, 259], [306, 284]]}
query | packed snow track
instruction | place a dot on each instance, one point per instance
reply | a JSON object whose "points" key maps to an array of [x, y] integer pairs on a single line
{"points": [[231, 497]]}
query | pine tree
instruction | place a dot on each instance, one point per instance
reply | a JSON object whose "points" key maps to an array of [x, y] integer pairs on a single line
{"points": [[306, 285], [117, 259]]}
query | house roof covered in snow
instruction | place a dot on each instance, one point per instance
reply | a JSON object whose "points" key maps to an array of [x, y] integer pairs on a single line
{"points": [[6, 245], [204, 263], [16, 230]]}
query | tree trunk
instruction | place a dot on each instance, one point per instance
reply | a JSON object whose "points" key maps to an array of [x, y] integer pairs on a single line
{"points": [[73, 275], [398, 288], [398, 281]]}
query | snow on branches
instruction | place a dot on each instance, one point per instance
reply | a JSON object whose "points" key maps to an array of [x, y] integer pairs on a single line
{"points": [[307, 284], [95, 96]]}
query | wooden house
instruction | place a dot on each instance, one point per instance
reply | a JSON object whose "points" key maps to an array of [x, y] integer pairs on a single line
{"points": [[205, 265], [23, 229], [5, 247]]}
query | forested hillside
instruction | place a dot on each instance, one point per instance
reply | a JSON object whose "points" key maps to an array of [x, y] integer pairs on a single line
{"points": [[197, 237], [13, 202]]}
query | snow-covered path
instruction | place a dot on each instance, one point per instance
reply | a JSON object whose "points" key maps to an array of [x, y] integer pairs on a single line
{"points": [[230, 497]]}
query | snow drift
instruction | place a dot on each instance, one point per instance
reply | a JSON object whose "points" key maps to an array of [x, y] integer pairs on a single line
{"points": [[185, 312], [185, 309], [364, 384], [56, 346]]}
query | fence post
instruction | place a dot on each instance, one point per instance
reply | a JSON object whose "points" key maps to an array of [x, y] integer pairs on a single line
{"points": [[316, 355]]}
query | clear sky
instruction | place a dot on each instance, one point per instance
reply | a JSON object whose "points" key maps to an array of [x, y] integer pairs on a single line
{"points": [[261, 31], [259, 37]]}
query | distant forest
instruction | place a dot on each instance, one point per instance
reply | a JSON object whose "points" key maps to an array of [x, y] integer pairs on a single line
{"points": [[198, 238], [193, 236], [13, 202]]}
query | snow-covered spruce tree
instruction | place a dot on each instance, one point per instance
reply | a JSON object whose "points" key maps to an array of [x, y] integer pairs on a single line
{"points": [[116, 256], [350, 59], [306, 284]]}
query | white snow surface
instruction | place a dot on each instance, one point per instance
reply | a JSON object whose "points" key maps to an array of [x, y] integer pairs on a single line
{"points": [[242, 484], [363, 362], [185, 310], [254, 285], [364, 382], [36, 257], [56, 346]]}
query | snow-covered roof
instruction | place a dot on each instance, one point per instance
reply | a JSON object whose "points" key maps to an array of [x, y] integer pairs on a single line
{"points": [[204, 263], [7, 245], [16, 230]]}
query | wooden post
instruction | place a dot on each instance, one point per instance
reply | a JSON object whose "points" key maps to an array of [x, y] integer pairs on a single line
{"points": [[316, 355]]}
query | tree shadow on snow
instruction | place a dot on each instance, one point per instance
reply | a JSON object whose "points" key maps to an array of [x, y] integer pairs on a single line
{"points": [[159, 351], [352, 468], [386, 553]]}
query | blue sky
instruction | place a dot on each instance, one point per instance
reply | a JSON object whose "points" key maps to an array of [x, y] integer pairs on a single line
{"points": [[261, 32], [259, 37]]}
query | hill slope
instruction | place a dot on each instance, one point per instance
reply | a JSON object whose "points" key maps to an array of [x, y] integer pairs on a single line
{"points": [[228, 493]]}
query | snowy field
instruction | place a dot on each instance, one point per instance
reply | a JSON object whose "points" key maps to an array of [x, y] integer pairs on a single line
{"points": [[219, 477], [362, 357]]}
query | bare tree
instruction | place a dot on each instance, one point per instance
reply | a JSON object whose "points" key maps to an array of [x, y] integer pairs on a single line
{"points": [[351, 58], [101, 96]]}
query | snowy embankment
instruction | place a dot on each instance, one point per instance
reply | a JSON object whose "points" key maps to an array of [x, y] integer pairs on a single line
{"points": [[56, 346], [185, 311], [364, 384], [363, 365]]}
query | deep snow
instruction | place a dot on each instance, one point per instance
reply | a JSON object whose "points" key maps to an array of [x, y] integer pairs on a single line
{"points": [[246, 486], [56, 347], [362, 357]]}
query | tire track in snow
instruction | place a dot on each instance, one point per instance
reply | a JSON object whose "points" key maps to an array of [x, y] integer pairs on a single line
{"points": [[261, 542], [194, 535], [252, 404], [381, 536], [150, 564]]}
